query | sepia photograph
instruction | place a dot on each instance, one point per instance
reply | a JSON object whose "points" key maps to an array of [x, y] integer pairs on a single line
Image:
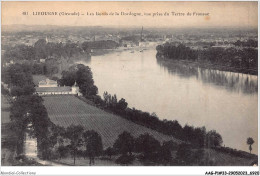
{"points": [[137, 83]]}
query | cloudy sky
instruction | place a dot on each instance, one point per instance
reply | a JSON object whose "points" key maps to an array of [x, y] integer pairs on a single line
{"points": [[228, 14]]}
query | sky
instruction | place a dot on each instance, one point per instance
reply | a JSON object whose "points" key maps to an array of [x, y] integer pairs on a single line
{"points": [[221, 14]]}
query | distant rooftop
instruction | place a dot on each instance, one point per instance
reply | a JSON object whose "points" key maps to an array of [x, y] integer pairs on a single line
{"points": [[47, 81]]}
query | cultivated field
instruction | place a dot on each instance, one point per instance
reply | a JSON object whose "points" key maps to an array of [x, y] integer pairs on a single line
{"points": [[65, 110]]}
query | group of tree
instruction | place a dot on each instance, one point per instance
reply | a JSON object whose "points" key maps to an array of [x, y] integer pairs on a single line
{"points": [[112, 103], [82, 76], [75, 141], [42, 50], [18, 77], [238, 153], [126, 149], [149, 151], [53, 53], [244, 58], [247, 43], [27, 109], [179, 52], [78, 142], [198, 137]]}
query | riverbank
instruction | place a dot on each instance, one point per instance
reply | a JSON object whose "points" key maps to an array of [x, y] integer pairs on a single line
{"points": [[99, 52], [193, 96], [89, 120], [206, 65]]}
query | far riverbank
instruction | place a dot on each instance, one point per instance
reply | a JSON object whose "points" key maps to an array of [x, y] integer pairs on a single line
{"points": [[206, 65]]}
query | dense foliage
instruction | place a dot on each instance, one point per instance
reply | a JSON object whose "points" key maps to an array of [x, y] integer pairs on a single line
{"points": [[18, 77], [27, 110], [82, 76], [233, 59], [74, 139], [180, 52], [248, 43], [42, 50], [93, 144]]}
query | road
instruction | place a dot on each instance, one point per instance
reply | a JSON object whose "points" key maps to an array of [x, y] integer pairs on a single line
{"points": [[30, 151]]}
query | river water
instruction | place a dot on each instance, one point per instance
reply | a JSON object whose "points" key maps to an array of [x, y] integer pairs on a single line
{"points": [[224, 101]]}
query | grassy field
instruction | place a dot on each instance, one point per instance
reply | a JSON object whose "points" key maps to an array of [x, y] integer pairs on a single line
{"points": [[224, 159], [66, 110]]}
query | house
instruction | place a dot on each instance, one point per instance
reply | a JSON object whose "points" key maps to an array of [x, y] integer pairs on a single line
{"points": [[48, 83], [54, 90], [42, 60], [50, 87]]}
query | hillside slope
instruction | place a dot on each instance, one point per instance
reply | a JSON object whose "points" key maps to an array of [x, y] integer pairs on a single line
{"points": [[65, 110], [225, 159]]}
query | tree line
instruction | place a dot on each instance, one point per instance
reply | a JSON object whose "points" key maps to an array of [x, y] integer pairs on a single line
{"points": [[248, 43], [242, 60], [75, 142], [198, 137], [27, 110], [82, 76], [43, 49]]}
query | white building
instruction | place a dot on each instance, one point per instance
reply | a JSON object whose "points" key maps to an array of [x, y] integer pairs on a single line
{"points": [[42, 60], [50, 87], [48, 83]]}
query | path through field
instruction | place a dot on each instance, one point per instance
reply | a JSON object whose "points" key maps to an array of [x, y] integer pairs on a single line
{"points": [[30, 151]]}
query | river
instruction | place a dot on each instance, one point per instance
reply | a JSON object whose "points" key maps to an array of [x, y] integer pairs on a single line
{"points": [[223, 101]]}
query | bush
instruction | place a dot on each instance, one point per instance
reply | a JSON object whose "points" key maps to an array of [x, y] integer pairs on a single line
{"points": [[109, 152], [184, 154], [4, 91], [125, 160]]}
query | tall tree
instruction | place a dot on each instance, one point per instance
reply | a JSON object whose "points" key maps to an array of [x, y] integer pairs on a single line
{"points": [[165, 155], [122, 104], [214, 139], [124, 143], [184, 154], [250, 141], [74, 134], [148, 145], [93, 144]]}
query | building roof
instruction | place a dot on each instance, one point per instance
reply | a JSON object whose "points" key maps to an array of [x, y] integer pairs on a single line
{"points": [[48, 82], [53, 89]]}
